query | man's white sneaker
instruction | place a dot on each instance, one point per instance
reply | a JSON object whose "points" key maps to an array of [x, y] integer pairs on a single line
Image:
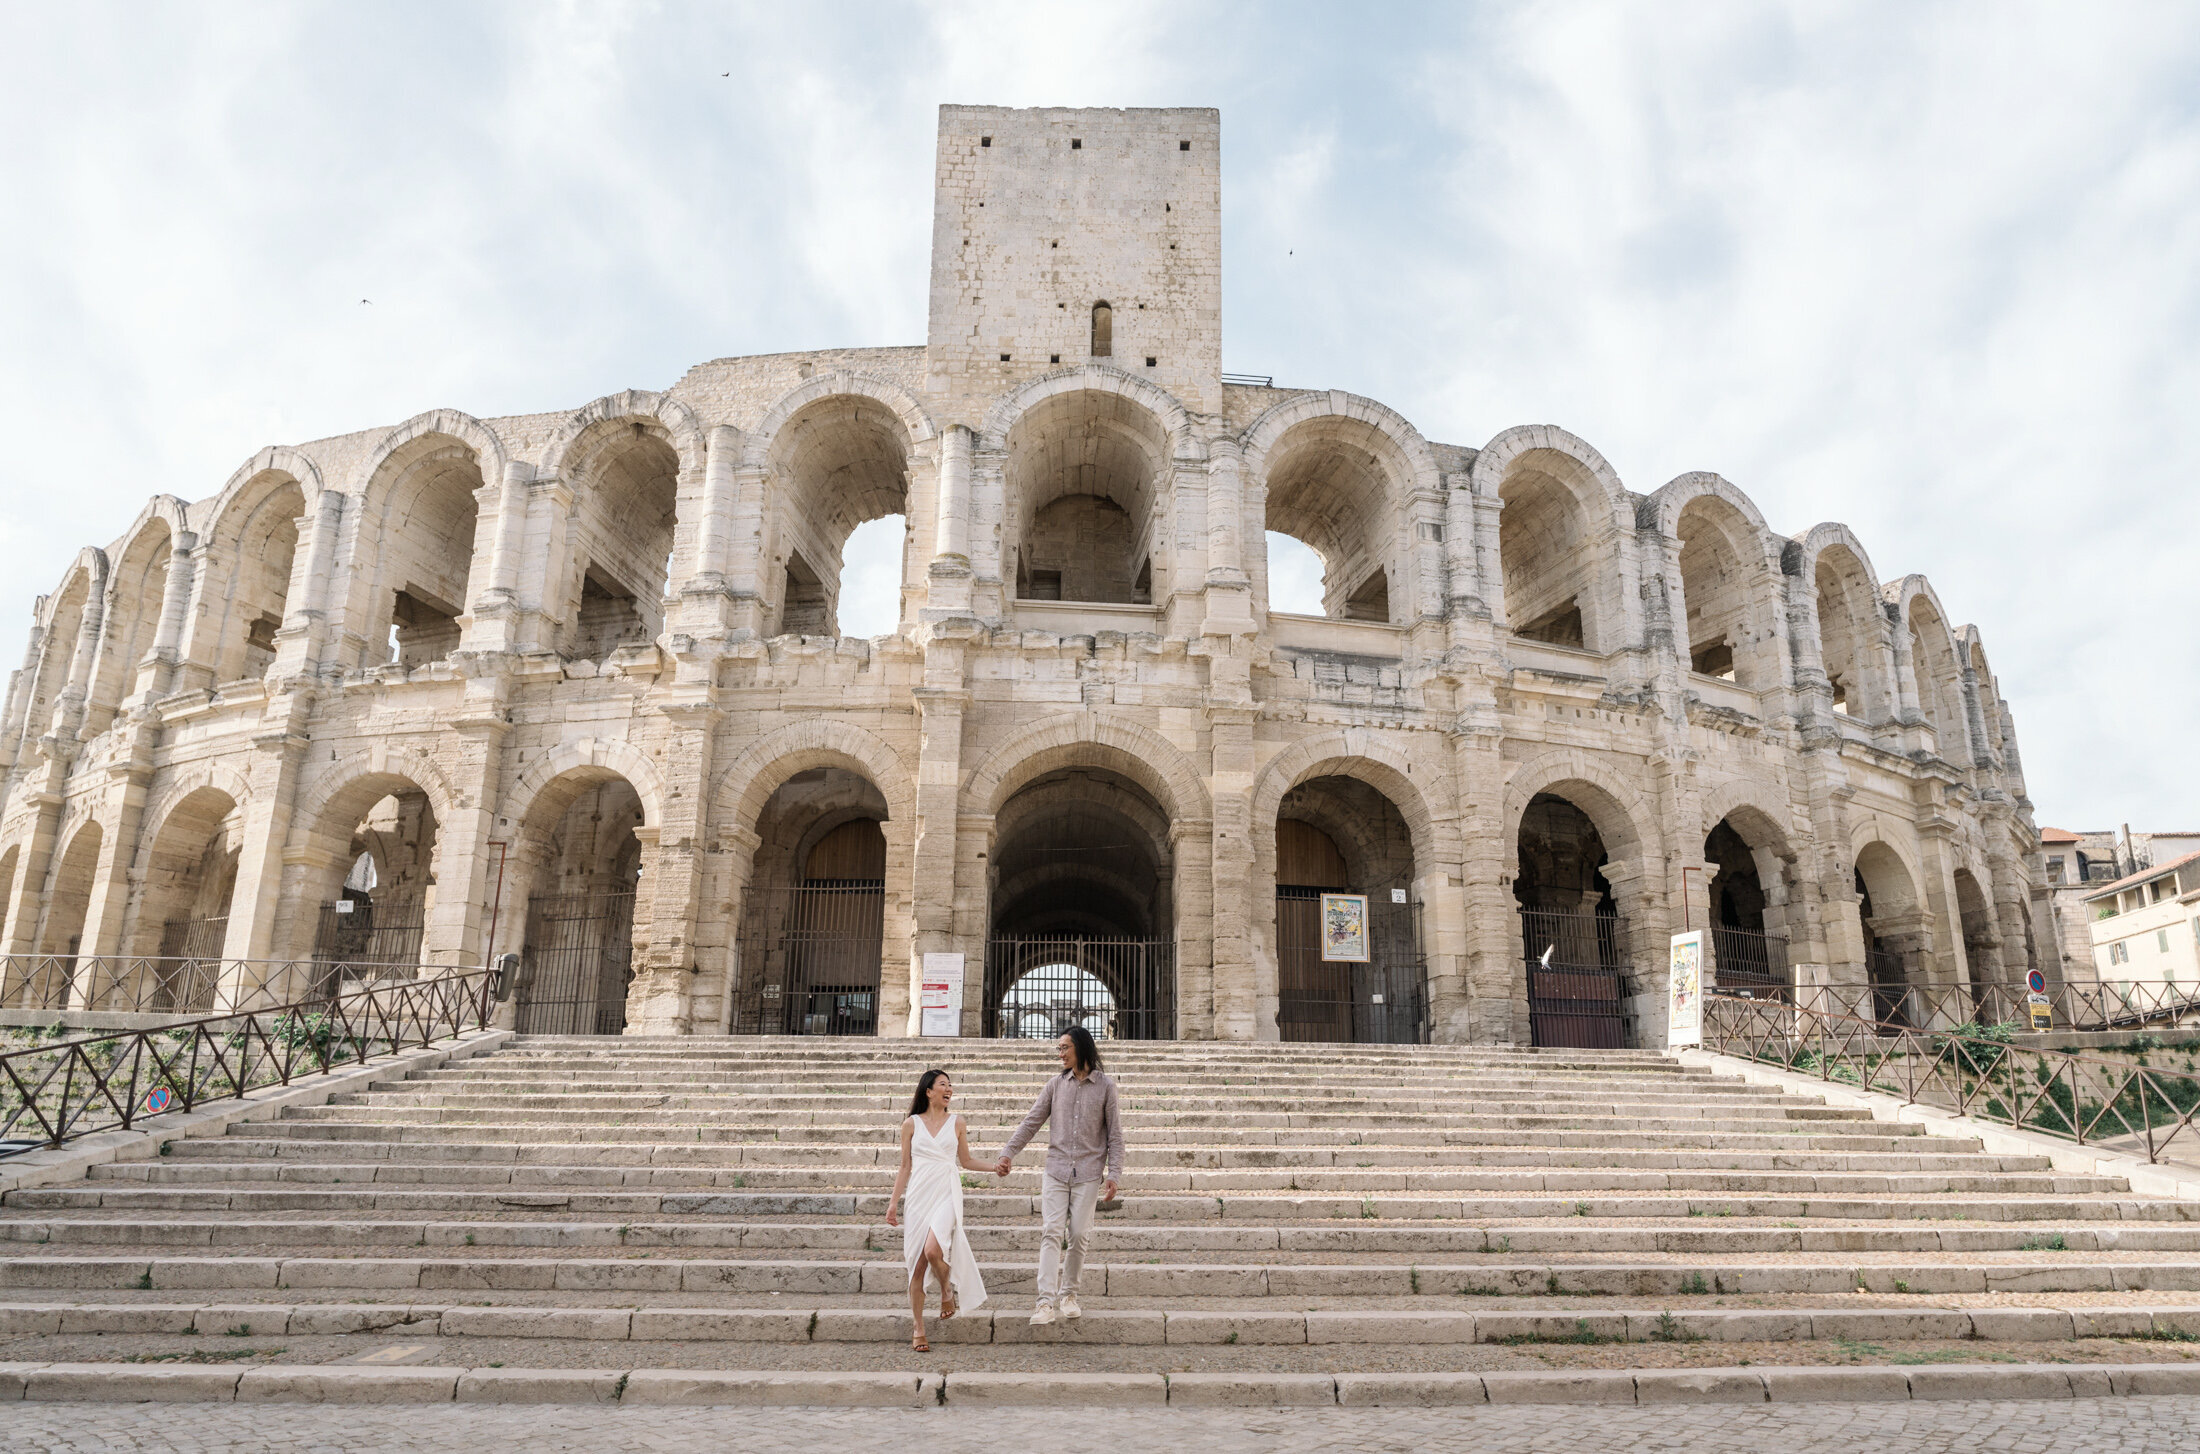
{"points": [[1069, 1306], [1043, 1316]]}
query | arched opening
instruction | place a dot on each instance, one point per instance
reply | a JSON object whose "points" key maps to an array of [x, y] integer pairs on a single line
{"points": [[136, 590], [249, 559], [60, 979], [1724, 586], [1103, 331], [1549, 553], [1746, 957], [814, 916], [1082, 473], [1981, 938], [1939, 679], [1329, 488], [1082, 918], [56, 653], [1989, 703], [581, 861], [1349, 966], [419, 521], [1894, 933], [182, 916], [626, 478], [1848, 636], [374, 899], [839, 464], [1571, 934]]}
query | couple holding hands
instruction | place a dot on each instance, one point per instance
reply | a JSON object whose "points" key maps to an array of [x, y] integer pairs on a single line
{"points": [[1084, 1164]]}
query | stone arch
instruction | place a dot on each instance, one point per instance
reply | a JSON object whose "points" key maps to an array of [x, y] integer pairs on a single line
{"points": [[915, 419], [77, 605], [1339, 473], [838, 451], [634, 464], [1355, 752], [1772, 824], [137, 592], [1097, 378], [738, 793], [248, 540], [1835, 575], [196, 778], [1563, 562], [1723, 579], [1936, 666], [1613, 804], [365, 778], [70, 885], [1138, 753], [417, 578], [182, 872], [1983, 692], [581, 763]]}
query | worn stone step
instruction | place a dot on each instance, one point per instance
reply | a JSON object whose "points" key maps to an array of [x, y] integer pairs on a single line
{"points": [[1111, 1279]]}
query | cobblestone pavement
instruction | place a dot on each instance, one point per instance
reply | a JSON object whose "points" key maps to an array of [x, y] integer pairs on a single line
{"points": [[2111, 1426]]}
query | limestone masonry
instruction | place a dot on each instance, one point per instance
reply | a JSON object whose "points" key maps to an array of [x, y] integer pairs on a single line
{"points": [[569, 686]]}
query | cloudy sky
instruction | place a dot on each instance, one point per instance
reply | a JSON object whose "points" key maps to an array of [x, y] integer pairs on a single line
{"points": [[1929, 269]]}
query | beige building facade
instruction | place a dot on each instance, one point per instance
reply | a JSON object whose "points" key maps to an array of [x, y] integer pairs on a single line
{"points": [[570, 685]]}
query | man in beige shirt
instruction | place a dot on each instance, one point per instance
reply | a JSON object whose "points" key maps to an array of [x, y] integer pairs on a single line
{"points": [[1084, 1164]]}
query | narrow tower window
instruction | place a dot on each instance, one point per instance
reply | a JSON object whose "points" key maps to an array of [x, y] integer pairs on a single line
{"points": [[1103, 331]]}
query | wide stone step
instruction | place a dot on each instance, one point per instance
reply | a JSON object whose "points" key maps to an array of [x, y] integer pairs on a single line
{"points": [[1106, 1322], [1153, 1279], [969, 1105], [118, 1195], [1134, 1120], [1146, 1181], [1588, 1239]]}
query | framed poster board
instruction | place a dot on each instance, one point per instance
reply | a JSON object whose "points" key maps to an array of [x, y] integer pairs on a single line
{"points": [[940, 995], [1684, 991], [1344, 928]]}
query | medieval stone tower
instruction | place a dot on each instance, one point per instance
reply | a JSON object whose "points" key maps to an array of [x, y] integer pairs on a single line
{"points": [[572, 685]]}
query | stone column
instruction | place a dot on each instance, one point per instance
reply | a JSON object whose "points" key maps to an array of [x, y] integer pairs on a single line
{"points": [[1192, 881], [27, 895], [932, 866], [68, 714], [257, 911], [1636, 887], [1245, 1003], [948, 580], [1462, 578], [158, 670], [744, 567], [459, 914], [660, 999], [310, 606], [494, 623], [22, 687], [1489, 560]]}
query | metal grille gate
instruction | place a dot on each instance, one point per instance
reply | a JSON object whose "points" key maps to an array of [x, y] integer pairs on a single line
{"points": [[1381, 1002], [366, 931], [190, 967], [1575, 1002], [1119, 989], [576, 964], [810, 959]]}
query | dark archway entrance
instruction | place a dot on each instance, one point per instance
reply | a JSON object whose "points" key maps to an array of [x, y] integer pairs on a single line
{"points": [[578, 954], [1083, 928], [1340, 836], [1570, 930], [813, 928]]}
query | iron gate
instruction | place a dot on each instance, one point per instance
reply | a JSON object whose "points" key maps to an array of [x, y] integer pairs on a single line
{"points": [[361, 930], [190, 966], [1381, 1002], [575, 965], [1749, 963], [1119, 989], [810, 957], [1575, 1001]]}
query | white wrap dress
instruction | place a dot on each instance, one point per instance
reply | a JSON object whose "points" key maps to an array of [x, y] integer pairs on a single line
{"points": [[933, 1206]]}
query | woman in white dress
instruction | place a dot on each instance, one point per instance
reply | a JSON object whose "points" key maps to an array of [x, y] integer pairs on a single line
{"points": [[935, 1152]]}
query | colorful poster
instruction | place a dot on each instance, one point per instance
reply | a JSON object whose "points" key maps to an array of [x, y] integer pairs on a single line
{"points": [[1344, 928], [1684, 991], [940, 995]]}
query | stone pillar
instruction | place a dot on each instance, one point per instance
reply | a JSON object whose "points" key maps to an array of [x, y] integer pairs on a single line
{"points": [[118, 846], [932, 859], [660, 1000], [948, 581], [22, 687], [744, 567], [458, 915], [1440, 900], [1191, 894], [1245, 1004], [1225, 514], [493, 624], [1637, 887], [27, 895], [310, 606], [1982, 748], [157, 672], [1462, 577], [1489, 560], [1907, 710], [265, 858], [68, 713], [1496, 965]]}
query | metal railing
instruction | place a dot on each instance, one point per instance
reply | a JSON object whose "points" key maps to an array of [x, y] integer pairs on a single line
{"points": [[2093, 1100], [1888, 1001], [114, 1080], [181, 984], [1118, 989], [1747, 961]]}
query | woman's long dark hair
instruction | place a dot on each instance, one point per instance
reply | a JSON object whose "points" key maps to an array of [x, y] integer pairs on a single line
{"points": [[923, 1102], [1088, 1054]]}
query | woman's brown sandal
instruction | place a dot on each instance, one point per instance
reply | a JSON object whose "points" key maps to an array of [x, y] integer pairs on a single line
{"points": [[948, 1308], [919, 1344]]}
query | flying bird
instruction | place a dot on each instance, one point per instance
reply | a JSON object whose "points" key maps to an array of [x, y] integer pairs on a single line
{"points": [[366, 300]]}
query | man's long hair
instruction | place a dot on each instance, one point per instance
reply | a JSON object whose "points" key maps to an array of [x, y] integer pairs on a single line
{"points": [[1088, 1053]]}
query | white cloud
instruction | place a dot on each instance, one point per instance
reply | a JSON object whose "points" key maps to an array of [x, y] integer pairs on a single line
{"points": [[1929, 270]]}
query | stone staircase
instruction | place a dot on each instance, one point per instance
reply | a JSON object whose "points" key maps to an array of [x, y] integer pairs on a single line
{"points": [[1370, 1207]]}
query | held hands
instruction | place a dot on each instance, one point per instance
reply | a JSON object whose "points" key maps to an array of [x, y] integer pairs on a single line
{"points": [[1000, 1167], [893, 1213]]}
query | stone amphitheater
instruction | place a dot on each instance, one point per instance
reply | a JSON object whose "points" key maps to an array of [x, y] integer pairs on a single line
{"points": [[569, 686]]}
